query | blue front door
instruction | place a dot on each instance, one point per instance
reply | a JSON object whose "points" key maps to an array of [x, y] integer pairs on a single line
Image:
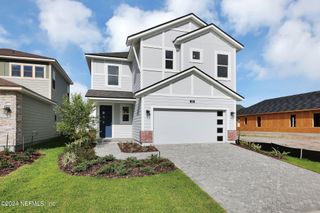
{"points": [[106, 121]]}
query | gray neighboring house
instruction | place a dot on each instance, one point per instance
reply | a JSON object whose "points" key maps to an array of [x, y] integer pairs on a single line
{"points": [[30, 87], [176, 84]]}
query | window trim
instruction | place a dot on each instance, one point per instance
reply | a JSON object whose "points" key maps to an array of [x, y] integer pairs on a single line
{"points": [[22, 70], [173, 59], [200, 61], [121, 114], [119, 74], [314, 121], [216, 65]]}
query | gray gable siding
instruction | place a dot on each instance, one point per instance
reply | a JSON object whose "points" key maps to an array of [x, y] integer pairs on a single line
{"points": [[61, 90], [99, 75]]}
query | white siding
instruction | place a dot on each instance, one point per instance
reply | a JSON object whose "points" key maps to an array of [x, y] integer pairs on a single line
{"points": [[121, 130], [135, 76], [37, 120], [99, 75]]}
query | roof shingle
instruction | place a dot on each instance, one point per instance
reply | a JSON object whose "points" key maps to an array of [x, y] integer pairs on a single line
{"points": [[111, 54], [303, 101], [109, 94], [16, 53]]}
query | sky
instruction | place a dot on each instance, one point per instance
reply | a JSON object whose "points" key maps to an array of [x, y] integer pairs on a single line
{"points": [[281, 37]]}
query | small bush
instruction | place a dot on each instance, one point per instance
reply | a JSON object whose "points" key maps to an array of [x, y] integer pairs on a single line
{"points": [[133, 162], [21, 157], [68, 158], [30, 151], [255, 147], [115, 168], [276, 153], [153, 159], [5, 164], [166, 164], [6, 151], [108, 169], [106, 158], [147, 170], [81, 167]]}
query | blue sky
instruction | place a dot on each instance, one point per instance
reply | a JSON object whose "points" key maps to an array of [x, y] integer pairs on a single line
{"points": [[281, 38]]}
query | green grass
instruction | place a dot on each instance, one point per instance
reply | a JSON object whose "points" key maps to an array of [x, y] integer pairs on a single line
{"points": [[43, 181], [304, 163]]}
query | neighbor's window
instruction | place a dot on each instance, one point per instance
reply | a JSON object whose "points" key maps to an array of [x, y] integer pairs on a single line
{"points": [[113, 75], [39, 72], [125, 114], [53, 79], [316, 119], [258, 121], [169, 59], [293, 121], [16, 70], [27, 71], [222, 66], [245, 121]]}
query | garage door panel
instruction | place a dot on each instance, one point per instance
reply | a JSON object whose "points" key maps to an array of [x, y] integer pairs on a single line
{"points": [[185, 126]]}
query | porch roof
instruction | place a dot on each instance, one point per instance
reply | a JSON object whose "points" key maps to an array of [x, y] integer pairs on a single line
{"points": [[106, 94]]}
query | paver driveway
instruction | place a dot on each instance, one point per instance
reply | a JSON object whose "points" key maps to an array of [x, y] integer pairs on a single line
{"points": [[245, 181]]}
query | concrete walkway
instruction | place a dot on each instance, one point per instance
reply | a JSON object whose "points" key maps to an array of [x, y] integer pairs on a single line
{"points": [[245, 181], [295, 140], [112, 148]]}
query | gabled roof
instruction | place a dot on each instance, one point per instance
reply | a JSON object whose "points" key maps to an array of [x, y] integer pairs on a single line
{"points": [[16, 53], [109, 94], [111, 54], [190, 16], [19, 55], [305, 101], [155, 86], [11, 86], [211, 27]]}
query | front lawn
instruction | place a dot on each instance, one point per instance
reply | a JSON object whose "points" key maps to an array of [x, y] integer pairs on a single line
{"points": [[304, 163], [45, 185]]}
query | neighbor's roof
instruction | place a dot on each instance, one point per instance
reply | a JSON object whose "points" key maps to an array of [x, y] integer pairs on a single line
{"points": [[111, 54], [109, 94], [305, 101], [16, 53], [11, 86]]}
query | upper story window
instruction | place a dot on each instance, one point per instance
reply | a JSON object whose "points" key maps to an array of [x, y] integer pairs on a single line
{"points": [[16, 70], [27, 70], [53, 79], [113, 75], [125, 114], [39, 72], [169, 60], [196, 55], [222, 65]]}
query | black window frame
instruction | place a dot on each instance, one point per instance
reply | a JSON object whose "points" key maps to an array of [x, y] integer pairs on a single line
{"points": [[219, 121], [219, 138], [168, 60], [221, 65], [53, 79], [12, 70], [219, 113]]}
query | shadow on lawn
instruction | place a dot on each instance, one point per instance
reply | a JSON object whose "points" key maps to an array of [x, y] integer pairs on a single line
{"points": [[52, 143]]}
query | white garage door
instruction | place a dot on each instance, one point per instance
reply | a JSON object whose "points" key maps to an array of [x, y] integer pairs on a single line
{"points": [[188, 126]]}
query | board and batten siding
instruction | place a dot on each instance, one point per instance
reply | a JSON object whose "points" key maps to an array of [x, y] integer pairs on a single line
{"points": [[135, 76], [37, 120], [61, 90], [99, 75], [136, 120], [210, 44], [153, 50]]}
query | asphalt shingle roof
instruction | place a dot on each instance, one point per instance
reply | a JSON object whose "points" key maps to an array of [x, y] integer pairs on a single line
{"points": [[109, 94], [16, 53], [305, 101], [111, 54]]}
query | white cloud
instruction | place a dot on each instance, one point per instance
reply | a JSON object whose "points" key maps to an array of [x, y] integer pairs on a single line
{"points": [[4, 37], [78, 88], [68, 22], [251, 15], [255, 70], [127, 20]]}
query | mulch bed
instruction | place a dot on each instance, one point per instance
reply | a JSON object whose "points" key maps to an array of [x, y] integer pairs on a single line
{"points": [[134, 171], [9, 162], [134, 147]]}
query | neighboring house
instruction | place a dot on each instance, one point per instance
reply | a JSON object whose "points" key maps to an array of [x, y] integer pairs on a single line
{"points": [[30, 87], [297, 113], [176, 84]]}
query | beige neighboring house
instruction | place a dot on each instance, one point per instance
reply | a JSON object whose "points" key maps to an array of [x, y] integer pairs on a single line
{"points": [[30, 87]]}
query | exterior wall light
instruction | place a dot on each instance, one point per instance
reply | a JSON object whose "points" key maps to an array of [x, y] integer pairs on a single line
{"points": [[7, 110], [148, 113], [232, 114]]}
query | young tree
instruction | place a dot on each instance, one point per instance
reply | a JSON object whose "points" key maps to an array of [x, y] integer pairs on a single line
{"points": [[75, 118]]}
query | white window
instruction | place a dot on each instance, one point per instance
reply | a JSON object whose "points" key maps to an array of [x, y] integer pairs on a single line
{"points": [[222, 65], [113, 75], [16, 70], [53, 79], [39, 71], [125, 114], [169, 59], [196, 55]]}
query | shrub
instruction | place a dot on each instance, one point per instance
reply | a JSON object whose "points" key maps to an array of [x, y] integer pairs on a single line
{"points": [[6, 151], [276, 153], [21, 157], [147, 170], [85, 154], [166, 164], [107, 169], [106, 158], [153, 159], [133, 162], [68, 158], [255, 147], [5, 164], [81, 167], [115, 168], [81, 149]]}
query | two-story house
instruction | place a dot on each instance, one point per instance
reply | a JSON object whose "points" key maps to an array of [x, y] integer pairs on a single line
{"points": [[176, 84], [31, 86]]}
